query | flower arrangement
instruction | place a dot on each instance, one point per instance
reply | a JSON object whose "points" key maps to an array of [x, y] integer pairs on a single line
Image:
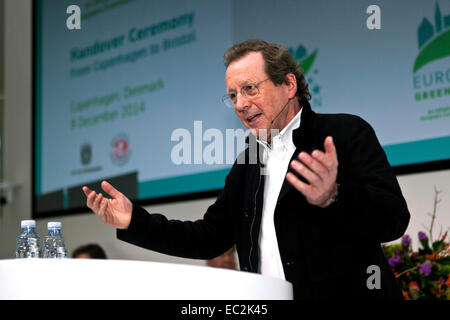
{"points": [[424, 274]]}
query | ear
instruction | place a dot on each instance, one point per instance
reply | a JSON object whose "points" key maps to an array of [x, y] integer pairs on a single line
{"points": [[291, 85]]}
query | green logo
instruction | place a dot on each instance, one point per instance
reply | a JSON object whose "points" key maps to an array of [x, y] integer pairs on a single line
{"points": [[306, 61], [434, 40], [431, 81]]}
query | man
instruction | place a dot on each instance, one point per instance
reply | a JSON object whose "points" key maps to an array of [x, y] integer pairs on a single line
{"points": [[314, 208]]}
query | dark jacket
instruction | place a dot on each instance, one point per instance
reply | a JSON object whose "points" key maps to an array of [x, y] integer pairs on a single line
{"points": [[325, 252]]}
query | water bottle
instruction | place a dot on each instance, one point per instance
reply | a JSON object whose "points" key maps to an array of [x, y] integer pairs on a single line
{"points": [[54, 246], [28, 242]]}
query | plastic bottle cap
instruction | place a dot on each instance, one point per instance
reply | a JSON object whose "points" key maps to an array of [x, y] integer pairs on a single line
{"points": [[28, 223], [54, 225]]}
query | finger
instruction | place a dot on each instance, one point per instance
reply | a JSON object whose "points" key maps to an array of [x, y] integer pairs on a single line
{"points": [[109, 189], [102, 209], [96, 204], [326, 160], [316, 166], [297, 183], [309, 175], [330, 148], [90, 199], [86, 190]]}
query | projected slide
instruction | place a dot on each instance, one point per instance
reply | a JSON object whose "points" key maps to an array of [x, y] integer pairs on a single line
{"points": [[113, 93], [134, 96]]}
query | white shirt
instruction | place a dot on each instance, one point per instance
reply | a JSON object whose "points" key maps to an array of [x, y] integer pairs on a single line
{"points": [[277, 160]]}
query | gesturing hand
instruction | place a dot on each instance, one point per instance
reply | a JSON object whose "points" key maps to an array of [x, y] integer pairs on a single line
{"points": [[116, 211], [320, 171]]}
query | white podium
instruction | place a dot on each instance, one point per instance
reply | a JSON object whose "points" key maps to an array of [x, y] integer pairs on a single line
{"points": [[88, 279]]}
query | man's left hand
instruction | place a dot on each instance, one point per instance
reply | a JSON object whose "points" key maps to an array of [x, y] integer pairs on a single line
{"points": [[320, 170]]}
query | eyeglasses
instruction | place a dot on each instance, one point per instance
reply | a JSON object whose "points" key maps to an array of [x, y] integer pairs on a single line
{"points": [[250, 90]]}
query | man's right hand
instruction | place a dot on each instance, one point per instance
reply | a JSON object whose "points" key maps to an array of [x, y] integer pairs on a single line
{"points": [[115, 212]]}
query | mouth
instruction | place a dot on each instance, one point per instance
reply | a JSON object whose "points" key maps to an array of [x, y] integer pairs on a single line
{"points": [[253, 118]]}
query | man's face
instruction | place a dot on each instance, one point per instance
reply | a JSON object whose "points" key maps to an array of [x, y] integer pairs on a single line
{"points": [[258, 112]]}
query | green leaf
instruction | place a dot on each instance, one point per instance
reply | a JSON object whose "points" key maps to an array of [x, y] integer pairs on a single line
{"points": [[438, 245], [389, 251], [444, 261]]}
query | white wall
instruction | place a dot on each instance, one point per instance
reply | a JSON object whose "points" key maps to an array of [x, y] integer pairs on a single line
{"points": [[418, 190], [17, 118], [83, 228]]}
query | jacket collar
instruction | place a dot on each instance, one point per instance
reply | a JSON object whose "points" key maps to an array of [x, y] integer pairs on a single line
{"points": [[299, 134]]}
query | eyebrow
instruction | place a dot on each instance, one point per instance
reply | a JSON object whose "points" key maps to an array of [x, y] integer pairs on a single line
{"points": [[242, 84]]}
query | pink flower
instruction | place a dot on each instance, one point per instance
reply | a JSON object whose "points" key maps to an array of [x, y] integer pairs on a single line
{"points": [[413, 286]]}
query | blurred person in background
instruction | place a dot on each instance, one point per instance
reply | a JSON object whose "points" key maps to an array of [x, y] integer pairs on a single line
{"points": [[89, 251]]}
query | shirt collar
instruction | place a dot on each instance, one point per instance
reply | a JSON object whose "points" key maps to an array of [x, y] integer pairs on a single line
{"points": [[285, 136]]}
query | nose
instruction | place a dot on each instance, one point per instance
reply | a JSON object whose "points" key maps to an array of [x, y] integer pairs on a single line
{"points": [[241, 102]]}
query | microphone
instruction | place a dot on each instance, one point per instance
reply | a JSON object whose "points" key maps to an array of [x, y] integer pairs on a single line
{"points": [[278, 114], [282, 109]]}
